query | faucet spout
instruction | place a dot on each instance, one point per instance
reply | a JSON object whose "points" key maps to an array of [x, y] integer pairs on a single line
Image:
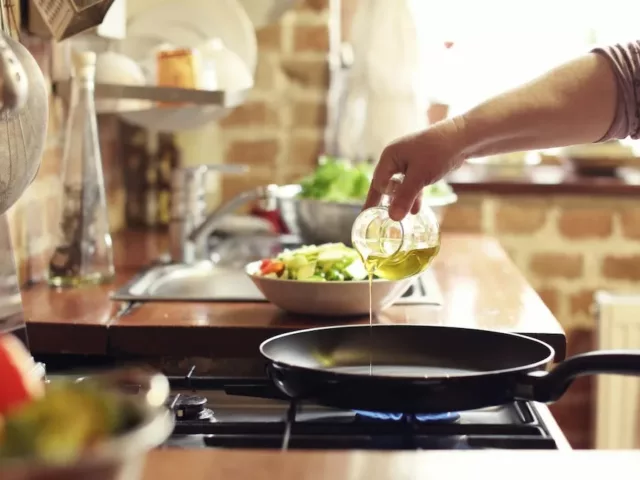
{"points": [[205, 228], [189, 223]]}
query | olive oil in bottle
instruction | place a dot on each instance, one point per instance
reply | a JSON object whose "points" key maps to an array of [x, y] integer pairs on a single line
{"points": [[393, 250], [402, 264]]}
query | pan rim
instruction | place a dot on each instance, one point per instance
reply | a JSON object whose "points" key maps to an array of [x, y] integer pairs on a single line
{"points": [[519, 369]]}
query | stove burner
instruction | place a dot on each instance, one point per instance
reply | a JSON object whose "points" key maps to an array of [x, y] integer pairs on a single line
{"points": [[189, 407], [420, 417]]}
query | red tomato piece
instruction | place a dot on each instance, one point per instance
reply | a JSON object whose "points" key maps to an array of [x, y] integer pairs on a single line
{"points": [[18, 385], [273, 267]]}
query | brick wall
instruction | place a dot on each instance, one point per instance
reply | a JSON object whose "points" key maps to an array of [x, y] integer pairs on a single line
{"points": [[568, 247], [279, 131], [34, 218]]}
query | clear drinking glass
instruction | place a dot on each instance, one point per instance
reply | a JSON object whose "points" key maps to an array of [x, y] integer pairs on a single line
{"points": [[391, 249]]}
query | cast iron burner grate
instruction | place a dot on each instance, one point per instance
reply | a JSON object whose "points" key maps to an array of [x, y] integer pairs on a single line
{"points": [[358, 431], [418, 417]]}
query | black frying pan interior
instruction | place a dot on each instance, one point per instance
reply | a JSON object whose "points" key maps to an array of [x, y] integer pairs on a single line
{"points": [[415, 368], [406, 351]]}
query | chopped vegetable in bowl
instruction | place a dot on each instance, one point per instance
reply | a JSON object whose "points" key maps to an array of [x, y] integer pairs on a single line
{"points": [[338, 180], [331, 262], [69, 419]]}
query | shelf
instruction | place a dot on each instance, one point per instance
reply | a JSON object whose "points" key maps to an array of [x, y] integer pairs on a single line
{"points": [[195, 108], [218, 98]]}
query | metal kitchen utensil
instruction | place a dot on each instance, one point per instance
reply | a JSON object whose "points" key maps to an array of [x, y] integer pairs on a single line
{"points": [[426, 369], [66, 18], [14, 84], [188, 209], [121, 457], [22, 130], [24, 111]]}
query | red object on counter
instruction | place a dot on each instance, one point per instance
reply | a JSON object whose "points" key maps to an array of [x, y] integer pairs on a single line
{"points": [[272, 216], [17, 383]]}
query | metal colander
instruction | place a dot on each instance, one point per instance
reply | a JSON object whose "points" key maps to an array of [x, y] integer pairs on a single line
{"points": [[24, 113]]}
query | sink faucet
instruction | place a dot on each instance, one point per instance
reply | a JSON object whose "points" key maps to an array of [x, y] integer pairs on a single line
{"points": [[190, 225]]}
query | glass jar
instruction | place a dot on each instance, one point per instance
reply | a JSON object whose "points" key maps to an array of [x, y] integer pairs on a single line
{"points": [[395, 250]]}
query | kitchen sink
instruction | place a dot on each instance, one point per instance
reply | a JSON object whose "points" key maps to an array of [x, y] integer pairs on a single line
{"points": [[221, 278], [204, 281]]}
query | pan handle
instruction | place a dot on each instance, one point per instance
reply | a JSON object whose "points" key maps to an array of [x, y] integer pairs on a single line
{"points": [[274, 372], [548, 387]]}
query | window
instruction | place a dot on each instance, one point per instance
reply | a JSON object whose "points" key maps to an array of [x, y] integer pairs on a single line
{"points": [[498, 44]]}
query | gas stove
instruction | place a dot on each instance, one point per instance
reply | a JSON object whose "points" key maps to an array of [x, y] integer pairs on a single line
{"points": [[249, 413]]}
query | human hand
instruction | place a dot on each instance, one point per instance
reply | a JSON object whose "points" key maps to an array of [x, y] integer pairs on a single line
{"points": [[424, 158]]}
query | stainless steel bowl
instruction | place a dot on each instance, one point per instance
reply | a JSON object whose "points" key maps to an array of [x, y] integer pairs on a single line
{"points": [[318, 221], [117, 458]]}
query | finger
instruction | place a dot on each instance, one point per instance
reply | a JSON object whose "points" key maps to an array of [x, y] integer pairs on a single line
{"points": [[373, 198], [406, 194], [385, 169], [417, 204]]}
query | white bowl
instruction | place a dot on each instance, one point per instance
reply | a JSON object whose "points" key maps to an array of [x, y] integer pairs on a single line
{"points": [[222, 68], [329, 299], [117, 69]]}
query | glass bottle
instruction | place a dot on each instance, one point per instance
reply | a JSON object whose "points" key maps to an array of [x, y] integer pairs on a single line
{"points": [[395, 250], [84, 253]]}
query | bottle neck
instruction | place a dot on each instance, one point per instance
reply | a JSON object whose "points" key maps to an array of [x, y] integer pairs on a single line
{"points": [[85, 78]]}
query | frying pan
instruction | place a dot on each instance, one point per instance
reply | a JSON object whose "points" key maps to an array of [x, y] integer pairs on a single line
{"points": [[426, 369]]}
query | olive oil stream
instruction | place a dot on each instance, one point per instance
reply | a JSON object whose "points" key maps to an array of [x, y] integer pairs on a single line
{"points": [[402, 264]]}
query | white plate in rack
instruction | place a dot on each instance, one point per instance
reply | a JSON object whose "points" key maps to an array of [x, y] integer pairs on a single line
{"points": [[185, 24], [189, 24]]}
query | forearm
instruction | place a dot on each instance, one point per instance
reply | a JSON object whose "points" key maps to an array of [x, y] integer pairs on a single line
{"points": [[571, 104]]}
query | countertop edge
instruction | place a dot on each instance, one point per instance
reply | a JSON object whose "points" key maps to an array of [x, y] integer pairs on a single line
{"points": [[452, 465]]}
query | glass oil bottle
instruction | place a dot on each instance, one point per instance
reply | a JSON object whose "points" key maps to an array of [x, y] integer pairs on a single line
{"points": [[84, 252], [395, 250]]}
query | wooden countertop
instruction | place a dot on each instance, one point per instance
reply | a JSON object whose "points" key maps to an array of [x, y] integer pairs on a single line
{"points": [[546, 179], [480, 286], [76, 320], [450, 465]]}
